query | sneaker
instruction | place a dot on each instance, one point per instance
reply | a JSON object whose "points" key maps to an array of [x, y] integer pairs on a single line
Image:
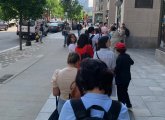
{"points": [[130, 108], [129, 105]]}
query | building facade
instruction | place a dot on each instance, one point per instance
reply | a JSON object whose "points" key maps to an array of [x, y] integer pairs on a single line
{"points": [[146, 21], [100, 11]]}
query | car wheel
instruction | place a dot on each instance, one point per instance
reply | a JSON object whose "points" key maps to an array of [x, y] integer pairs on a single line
{"points": [[6, 29]]}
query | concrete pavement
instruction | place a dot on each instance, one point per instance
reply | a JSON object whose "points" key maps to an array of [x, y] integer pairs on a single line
{"points": [[26, 95]]}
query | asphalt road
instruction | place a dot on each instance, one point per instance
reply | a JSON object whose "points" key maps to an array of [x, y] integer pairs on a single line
{"points": [[8, 39]]}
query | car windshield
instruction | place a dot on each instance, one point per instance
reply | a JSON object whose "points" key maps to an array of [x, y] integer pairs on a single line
{"points": [[25, 23], [53, 24]]}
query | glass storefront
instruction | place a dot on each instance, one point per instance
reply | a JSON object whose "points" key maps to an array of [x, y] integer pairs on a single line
{"points": [[162, 26]]}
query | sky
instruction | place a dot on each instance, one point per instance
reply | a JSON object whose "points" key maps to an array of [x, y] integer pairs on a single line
{"points": [[90, 3]]}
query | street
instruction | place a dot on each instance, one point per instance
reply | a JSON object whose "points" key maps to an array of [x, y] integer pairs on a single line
{"points": [[8, 39], [23, 95]]}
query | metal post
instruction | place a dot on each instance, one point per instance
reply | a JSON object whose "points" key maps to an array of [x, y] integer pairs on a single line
{"points": [[117, 22], [20, 31], [28, 42]]}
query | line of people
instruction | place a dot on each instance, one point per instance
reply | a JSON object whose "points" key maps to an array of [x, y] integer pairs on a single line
{"points": [[95, 65]]}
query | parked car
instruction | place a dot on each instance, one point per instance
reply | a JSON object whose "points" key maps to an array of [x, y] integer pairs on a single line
{"points": [[74, 26], [54, 27], [61, 25], [3, 25]]}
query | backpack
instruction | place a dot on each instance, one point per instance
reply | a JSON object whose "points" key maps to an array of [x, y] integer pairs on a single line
{"points": [[81, 113], [127, 33]]}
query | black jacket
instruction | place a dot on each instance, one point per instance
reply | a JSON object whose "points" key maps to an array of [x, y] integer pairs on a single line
{"points": [[122, 69]]}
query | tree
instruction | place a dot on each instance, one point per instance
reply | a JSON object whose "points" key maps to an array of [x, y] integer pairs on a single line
{"points": [[22, 9], [11, 9], [55, 8], [1, 14], [73, 8]]}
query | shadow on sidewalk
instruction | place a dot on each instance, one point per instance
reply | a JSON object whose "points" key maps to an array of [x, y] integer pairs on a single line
{"points": [[131, 114]]}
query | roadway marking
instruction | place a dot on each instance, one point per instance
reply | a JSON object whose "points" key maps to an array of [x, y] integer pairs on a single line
{"points": [[11, 48]]}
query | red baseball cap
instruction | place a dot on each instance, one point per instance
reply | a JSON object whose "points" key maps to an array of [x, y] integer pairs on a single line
{"points": [[120, 45]]}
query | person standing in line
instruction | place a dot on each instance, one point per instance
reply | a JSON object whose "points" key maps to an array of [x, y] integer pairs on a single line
{"points": [[95, 39], [100, 26], [115, 37], [79, 28], [71, 42], [95, 79], [84, 48], [41, 33], [105, 54], [66, 31], [62, 79], [91, 34], [122, 33], [123, 74], [105, 30]]}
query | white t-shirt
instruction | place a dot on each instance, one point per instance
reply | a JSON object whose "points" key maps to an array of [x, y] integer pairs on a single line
{"points": [[72, 47], [95, 40]]}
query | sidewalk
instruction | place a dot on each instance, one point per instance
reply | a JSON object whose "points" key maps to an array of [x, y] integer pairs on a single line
{"points": [[26, 95], [147, 88]]}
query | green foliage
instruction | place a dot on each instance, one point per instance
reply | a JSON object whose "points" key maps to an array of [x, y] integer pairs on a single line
{"points": [[73, 8], [11, 9], [55, 7], [1, 14]]}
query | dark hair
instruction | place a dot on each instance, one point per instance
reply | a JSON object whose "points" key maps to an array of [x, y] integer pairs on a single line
{"points": [[94, 73], [102, 42], [91, 29], [105, 23], [73, 58], [121, 50], [113, 28], [82, 41], [69, 41], [100, 23], [97, 30]]}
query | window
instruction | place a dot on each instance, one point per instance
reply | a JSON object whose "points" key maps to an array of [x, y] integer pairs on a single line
{"points": [[25, 23], [143, 3]]}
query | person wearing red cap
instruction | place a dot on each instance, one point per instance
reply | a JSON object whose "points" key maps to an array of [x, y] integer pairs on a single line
{"points": [[123, 74]]}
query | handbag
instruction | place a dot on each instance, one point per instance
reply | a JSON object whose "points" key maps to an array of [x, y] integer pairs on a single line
{"points": [[75, 92], [55, 114]]}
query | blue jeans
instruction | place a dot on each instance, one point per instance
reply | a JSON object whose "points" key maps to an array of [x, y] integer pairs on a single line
{"points": [[60, 104], [79, 32], [41, 36]]}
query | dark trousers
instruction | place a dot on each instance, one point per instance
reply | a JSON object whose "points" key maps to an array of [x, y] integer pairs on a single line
{"points": [[79, 32], [122, 94], [65, 39]]}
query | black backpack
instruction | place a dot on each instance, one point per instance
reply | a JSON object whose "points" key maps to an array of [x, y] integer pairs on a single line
{"points": [[127, 33], [81, 113]]}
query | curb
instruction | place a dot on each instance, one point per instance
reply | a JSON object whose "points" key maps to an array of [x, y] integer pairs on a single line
{"points": [[11, 48], [31, 64]]}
